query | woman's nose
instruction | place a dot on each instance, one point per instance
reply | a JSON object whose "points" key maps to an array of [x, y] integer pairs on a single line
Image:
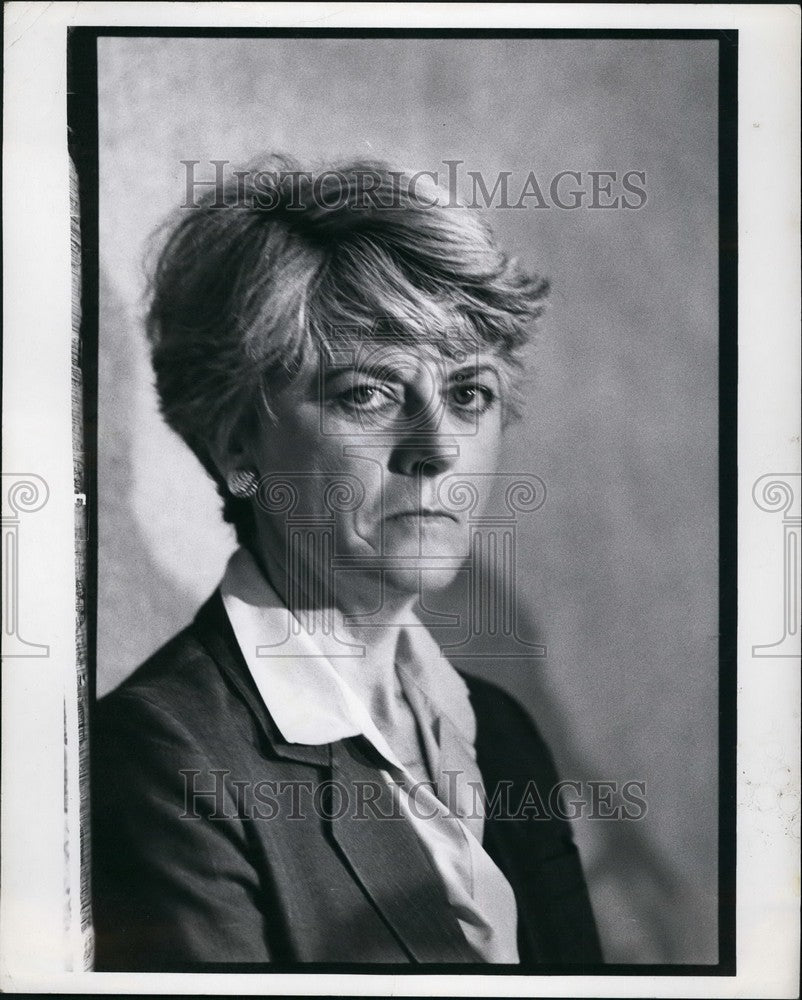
{"points": [[425, 445], [427, 450], [427, 456]]}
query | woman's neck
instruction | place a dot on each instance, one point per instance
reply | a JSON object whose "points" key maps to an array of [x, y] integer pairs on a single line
{"points": [[323, 610]]}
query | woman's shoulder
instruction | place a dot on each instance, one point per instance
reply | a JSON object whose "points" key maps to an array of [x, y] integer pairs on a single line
{"points": [[181, 680], [492, 703], [507, 737], [179, 663]]}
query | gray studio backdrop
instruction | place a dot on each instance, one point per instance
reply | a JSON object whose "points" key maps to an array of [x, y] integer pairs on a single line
{"points": [[617, 573]]}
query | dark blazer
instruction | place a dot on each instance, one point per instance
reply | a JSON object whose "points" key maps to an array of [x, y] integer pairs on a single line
{"points": [[252, 873]]}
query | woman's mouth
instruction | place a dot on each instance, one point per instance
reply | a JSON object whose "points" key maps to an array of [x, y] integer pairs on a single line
{"points": [[422, 514]]}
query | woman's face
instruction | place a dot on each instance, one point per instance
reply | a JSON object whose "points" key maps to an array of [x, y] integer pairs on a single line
{"points": [[373, 438]]}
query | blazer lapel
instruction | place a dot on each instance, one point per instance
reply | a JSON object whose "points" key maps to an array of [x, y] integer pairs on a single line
{"points": [[215, 632], [386, 856]]}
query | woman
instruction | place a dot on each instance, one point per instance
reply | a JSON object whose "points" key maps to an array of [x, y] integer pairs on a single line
{"points": [[300, 776]]}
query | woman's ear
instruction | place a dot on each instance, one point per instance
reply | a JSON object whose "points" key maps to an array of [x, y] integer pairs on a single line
{"points": [[232, 458], [231, 451]]}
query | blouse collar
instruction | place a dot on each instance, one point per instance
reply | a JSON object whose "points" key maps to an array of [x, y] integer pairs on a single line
{"points": [[295, 673]]}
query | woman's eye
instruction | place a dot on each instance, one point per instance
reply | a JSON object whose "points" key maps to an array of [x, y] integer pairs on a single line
{"points": [[366, 398], [473, 397]]}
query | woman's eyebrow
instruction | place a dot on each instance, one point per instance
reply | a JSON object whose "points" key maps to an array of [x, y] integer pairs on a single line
{"points": [[479, 368], [377, 371], [391, 373]]}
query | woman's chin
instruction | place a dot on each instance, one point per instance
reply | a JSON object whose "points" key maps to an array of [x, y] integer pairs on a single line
{"points": [[431, 538], [419, 576]]}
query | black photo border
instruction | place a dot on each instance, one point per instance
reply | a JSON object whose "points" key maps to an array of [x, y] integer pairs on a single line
{"points": [[82, 117]]}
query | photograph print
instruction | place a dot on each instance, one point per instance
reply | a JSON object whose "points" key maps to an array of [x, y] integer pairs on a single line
{"points": [[408, 380]]}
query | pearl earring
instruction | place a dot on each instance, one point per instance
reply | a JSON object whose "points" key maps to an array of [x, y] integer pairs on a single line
{"points": [[242, 483]]}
